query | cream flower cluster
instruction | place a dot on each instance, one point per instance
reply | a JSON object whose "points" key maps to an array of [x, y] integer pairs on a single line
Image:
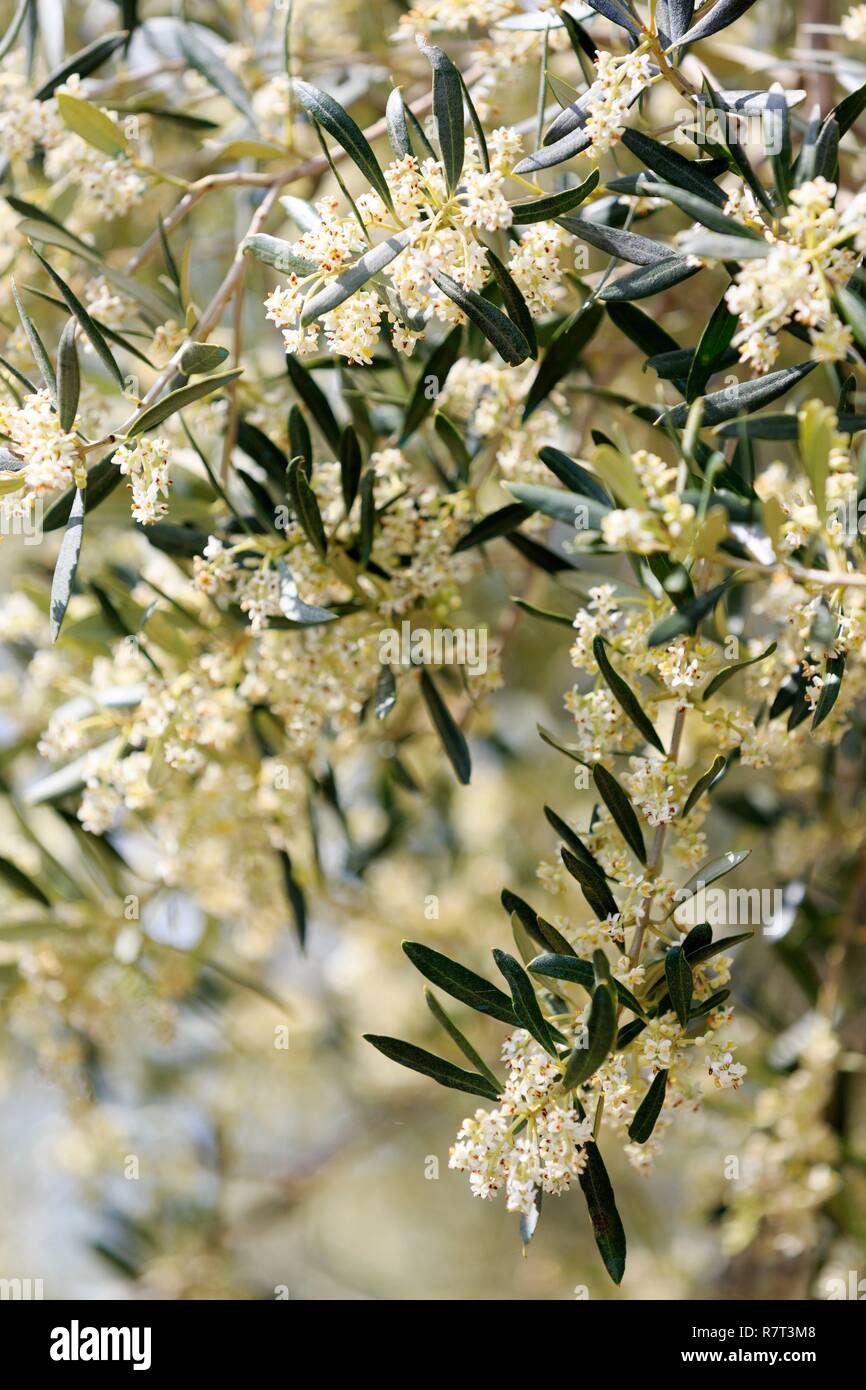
{"points": [[531, 1141], [50, 455], [619, 79], [146, 464], [805, 264], [444, 237]]}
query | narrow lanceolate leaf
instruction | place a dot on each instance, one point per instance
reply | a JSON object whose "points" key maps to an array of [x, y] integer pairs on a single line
{"points": [[448, 111], [451, 735], [430, 381], [572, 840], [525, 1001], [722, 677], [698, 209], [575, 511], [710, 351], [593, 884], [601, 1035], [616, 241], [706, 782], [514, 302], [716, 948], [640, 284], [748, 396], [833, 673], [554, 204], [649, 1109], [357, 275], [37, 347], [580, 972], [562, 354], [462, 984], [91, 124], [306, 507], [385, 697], [708, 873], [200, 55], [85, 321], [607, 1224], [671, 166], [428, 1064], [178, 400], [678, 974], [85, 61], [574, 475], [498, 523], [8, 40], [351, 463], [67, 563], [621, 809], [459, 1039], [68, 377], [497, 327], [395, 120], [624, 695], [315, 401], [719, 17], [274, 251], [329, 114], [102, 479]]}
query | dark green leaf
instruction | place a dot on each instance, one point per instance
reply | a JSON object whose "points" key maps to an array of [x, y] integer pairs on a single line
{"points": [[607, 1225], [458, 1038], [430, 381], [314, 399], [678, 974], [306, 508], [460, 983], [417, 1059], [350, 466], [447, 111], [85, 61], [640, 284], [706, 782], [833, 673], [329, 114], [621, 809], [497, 328], [525, 1001], [85, 321], [562, 354], [451, 735], [672, 167], [601, 1035], [722, 677], [178, 400], [514, 302], [624, 695], [497, 523], [649, 1109], [37, 347], [553, 205]]}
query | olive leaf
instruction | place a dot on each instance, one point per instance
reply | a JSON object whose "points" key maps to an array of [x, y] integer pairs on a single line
{"points": [[525, 1002], [498, 329], [678, 974], [649, 1109], [451, 735], [621, 809], [624, 695], [428, 1064], [462, 984], [329, 114]]}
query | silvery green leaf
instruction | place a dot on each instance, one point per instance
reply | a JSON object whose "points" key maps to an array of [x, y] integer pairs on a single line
{"points": [[669, 165], [553, 204], [329, 114], [272, 250], [559, 504], [8, 40], [67, 564], [395, 119], [204, 58], [68, 377], [697, 208], [652, 279], [448, 111], [719, 17], [198, 358], [497, 327], [351, 280], [301, 212], [179, 400], [37, 347], [293, 607], [712, 246], [615, 241], [747, 396]]}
